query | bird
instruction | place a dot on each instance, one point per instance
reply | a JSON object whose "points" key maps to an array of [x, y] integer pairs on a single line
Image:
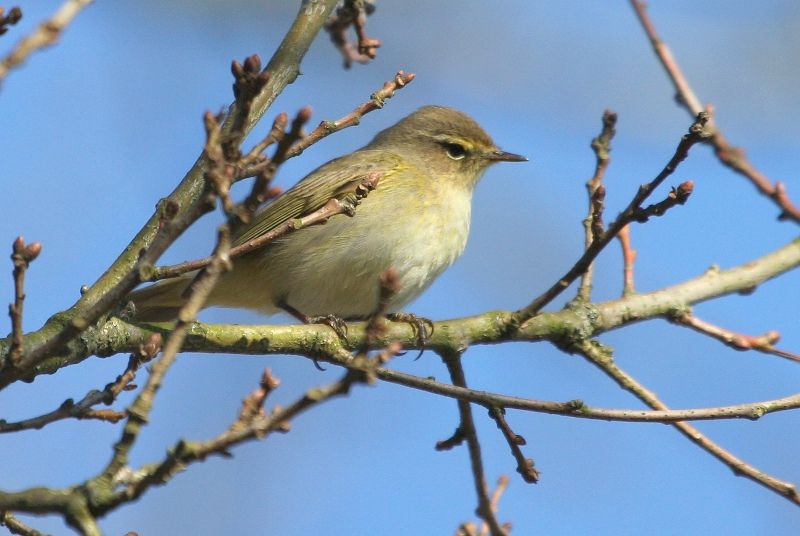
{"points": [[415, 222]]}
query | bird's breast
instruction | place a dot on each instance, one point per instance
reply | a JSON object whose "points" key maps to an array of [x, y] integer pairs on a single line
{"points": [[335, 268], [434, 236]]}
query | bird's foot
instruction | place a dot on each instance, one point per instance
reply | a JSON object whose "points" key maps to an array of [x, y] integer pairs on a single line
{"points": [[334, 322], [337, 324], [423, 327]]}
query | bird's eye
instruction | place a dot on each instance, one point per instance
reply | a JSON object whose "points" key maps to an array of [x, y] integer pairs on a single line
{"points": [[456, 151]]}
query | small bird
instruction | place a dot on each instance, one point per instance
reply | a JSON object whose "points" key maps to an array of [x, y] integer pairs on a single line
{"points": [[416, 221]]}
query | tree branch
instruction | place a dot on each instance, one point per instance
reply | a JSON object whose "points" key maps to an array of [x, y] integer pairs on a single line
{"points": [[739, 341], [139, 410], [467, 430], [730, 156], [332, 208], [353, 13], [593, 223], [15, 526], [185, 204], [21, 256], [13, 16], [525, 466], [600, 356], [697, 133], [580, 409], [628, 260], [117, 336], [83, 408], [326, 128], [46, 34], [257, 426]]}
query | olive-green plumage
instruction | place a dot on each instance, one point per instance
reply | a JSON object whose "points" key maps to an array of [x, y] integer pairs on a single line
{"points": [[417, 221]]}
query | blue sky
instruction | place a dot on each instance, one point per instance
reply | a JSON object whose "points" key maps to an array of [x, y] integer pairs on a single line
{"points": [[97, 129]]}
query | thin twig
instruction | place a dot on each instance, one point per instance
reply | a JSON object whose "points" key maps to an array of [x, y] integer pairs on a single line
{"points": [[376, 324], [683, 91], [220, 172], [326, 128], [261, 191], [628, 260], [68, 410], [468, 528], [332, 208], [730, 156], [21, 256], [143, 354], [676, 196], [353, 13], [252, 423], [580, 409], [525, 466], [13, 16], [293, 142], [593, 224], [47, 33], [83, 408], [258, 427], [697, 133], [601, 357], [376, 102], [227, 164], [255, 163], [467, 428], [601, 146], [275, 135], [593, 229], [253, 404], [15, 526], [451, 442], [139, 410], [294, 135], [739, 341], [502, 485], [249, 81]]}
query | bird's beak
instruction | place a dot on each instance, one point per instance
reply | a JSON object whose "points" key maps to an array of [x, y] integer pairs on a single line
{"points": [[502, 156]]}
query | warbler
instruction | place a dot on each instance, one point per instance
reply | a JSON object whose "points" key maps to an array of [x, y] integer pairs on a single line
{"points": [[416, 220]]}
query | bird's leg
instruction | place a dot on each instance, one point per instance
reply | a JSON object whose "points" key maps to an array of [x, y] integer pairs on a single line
{"points": [[423, 327], [337, 324]]}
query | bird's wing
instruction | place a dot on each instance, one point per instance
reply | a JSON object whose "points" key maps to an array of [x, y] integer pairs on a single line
{"points": [[329, 180]]}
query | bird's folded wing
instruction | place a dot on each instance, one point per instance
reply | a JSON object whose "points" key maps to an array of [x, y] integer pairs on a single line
{"points": [[330, 180]]}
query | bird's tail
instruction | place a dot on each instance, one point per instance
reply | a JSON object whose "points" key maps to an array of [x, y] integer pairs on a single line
{"points": [[160, 302]]}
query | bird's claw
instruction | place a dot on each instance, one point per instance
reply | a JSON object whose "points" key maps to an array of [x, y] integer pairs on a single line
{"points": [[334, 322], [422, 327]]}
